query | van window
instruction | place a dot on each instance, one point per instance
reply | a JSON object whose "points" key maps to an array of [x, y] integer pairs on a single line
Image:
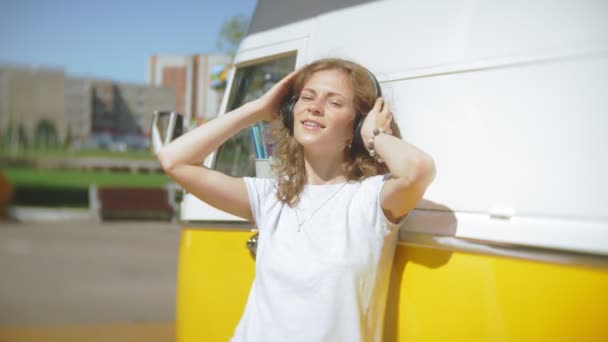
{"points": [[236, 156]]}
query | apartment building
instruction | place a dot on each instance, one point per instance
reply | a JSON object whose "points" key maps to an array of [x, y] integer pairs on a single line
{"points": [[32, 103], [78, 109], [140, 101], [42, 105], [123, 112]]}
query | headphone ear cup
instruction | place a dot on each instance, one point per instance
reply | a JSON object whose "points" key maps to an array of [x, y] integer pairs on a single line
{"points": [[287, 113], [357, 143]]}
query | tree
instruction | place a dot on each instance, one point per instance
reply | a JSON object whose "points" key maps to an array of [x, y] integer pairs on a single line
{"points": [[46, 134], [231, 33]]}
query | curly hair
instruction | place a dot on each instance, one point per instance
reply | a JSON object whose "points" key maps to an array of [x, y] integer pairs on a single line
{"points": [[288, 154]]}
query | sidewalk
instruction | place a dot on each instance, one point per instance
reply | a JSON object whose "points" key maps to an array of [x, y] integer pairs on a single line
{"points": [[86, 281], [137, 332]]}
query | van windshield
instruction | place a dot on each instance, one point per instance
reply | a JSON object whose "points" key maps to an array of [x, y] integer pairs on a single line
{"points": [[236, 157]]}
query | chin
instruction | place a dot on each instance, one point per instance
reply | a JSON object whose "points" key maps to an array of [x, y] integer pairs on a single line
{"points": [[314, 144], [307, 141], [307, 138]]}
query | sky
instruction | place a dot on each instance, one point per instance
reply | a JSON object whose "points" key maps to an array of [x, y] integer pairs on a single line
{"points": [[110, 39]]}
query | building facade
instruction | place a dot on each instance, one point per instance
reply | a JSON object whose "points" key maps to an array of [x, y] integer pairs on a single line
{"points": [[43, 106], [122, 113], [140, 101], [32, 104], [190, 76], [78, 109]]}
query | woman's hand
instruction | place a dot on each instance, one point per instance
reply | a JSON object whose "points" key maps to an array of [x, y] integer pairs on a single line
{"points": [[379, 117], [181, 159], [268, 105]]}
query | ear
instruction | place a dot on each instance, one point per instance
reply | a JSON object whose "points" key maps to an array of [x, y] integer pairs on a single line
{"points": [[349, 142]]}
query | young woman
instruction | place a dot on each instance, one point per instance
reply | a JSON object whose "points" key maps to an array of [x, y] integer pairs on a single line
{"points": [[329, 221]]}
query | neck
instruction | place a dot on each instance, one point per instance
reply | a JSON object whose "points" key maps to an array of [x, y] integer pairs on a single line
{"points": [[322, 170]]}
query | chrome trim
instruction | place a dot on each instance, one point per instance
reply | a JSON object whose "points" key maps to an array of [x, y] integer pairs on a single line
{"points": [[576, 235], [492, 248], [215, 225], [451, 244], [476, 65]]}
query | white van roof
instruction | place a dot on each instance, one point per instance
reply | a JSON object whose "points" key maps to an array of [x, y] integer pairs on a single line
{"points": [[271, 14]]}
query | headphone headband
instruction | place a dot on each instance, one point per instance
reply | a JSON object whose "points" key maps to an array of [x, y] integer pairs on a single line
{"points": [[376, 84]]}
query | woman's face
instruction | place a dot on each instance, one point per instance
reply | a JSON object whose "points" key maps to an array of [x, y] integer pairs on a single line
{"points": [[324, 113]]}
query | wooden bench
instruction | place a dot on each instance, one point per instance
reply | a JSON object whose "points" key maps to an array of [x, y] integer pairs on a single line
{"points": [[109, 203], [6, 192]]}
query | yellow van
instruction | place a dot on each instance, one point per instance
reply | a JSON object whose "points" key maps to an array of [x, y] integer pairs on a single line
{"points": [[510, 98]]}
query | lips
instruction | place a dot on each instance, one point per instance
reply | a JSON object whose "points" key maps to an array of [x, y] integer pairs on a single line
{"points": [[312, 123]]}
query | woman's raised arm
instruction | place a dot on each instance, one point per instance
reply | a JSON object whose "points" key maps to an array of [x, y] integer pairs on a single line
{"points": [[182, 158], [412, 169]]}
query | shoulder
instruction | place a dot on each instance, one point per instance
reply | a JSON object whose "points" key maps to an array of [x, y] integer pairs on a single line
{"points": [[375, 183], [261, 185], [260, 188], [370, 187]]}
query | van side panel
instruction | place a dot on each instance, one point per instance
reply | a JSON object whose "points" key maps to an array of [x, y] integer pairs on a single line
{"points": [[529, 137], [408, 36], [439, 295], [435, 295], [215, 273]]}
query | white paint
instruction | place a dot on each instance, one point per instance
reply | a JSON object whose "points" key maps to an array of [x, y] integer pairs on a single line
{"points": [[193, 209], [208, 103], [510, 98], [531, 138]]}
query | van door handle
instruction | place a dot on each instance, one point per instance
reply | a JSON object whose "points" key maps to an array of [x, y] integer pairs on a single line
{"points": [[252, 245]]}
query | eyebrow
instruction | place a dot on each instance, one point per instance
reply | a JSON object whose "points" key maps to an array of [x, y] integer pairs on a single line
{"points": [[331, 93]]}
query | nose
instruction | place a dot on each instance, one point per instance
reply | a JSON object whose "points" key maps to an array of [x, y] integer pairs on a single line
{"points": [[315, 108]]}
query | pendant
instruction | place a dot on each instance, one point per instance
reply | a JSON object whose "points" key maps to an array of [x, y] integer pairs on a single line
{"points": [[300, 223]]}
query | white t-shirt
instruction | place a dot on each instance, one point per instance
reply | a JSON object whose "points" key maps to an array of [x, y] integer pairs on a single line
{"points": [[328, 281]]}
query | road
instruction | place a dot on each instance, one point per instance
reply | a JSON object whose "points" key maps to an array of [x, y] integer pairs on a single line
{"points": [[113, 276]]}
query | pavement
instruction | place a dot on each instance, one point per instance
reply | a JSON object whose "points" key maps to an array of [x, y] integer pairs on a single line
{"points": [[77, 280]]}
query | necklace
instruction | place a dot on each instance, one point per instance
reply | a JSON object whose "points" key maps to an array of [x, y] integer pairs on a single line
{"points": [[303, 220]]}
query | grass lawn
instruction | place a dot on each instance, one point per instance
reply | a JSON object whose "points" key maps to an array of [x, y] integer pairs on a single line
{"points": [[21, 176], [35, 153]]}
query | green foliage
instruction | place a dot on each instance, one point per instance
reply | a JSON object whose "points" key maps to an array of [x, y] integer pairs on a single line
{"points": [[40, 196], [24, 176], [231, 33], [62, 152], [46, 134], [14, 136]]}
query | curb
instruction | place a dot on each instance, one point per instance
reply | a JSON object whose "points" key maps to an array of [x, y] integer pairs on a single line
{"points": [[45, 214]]}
